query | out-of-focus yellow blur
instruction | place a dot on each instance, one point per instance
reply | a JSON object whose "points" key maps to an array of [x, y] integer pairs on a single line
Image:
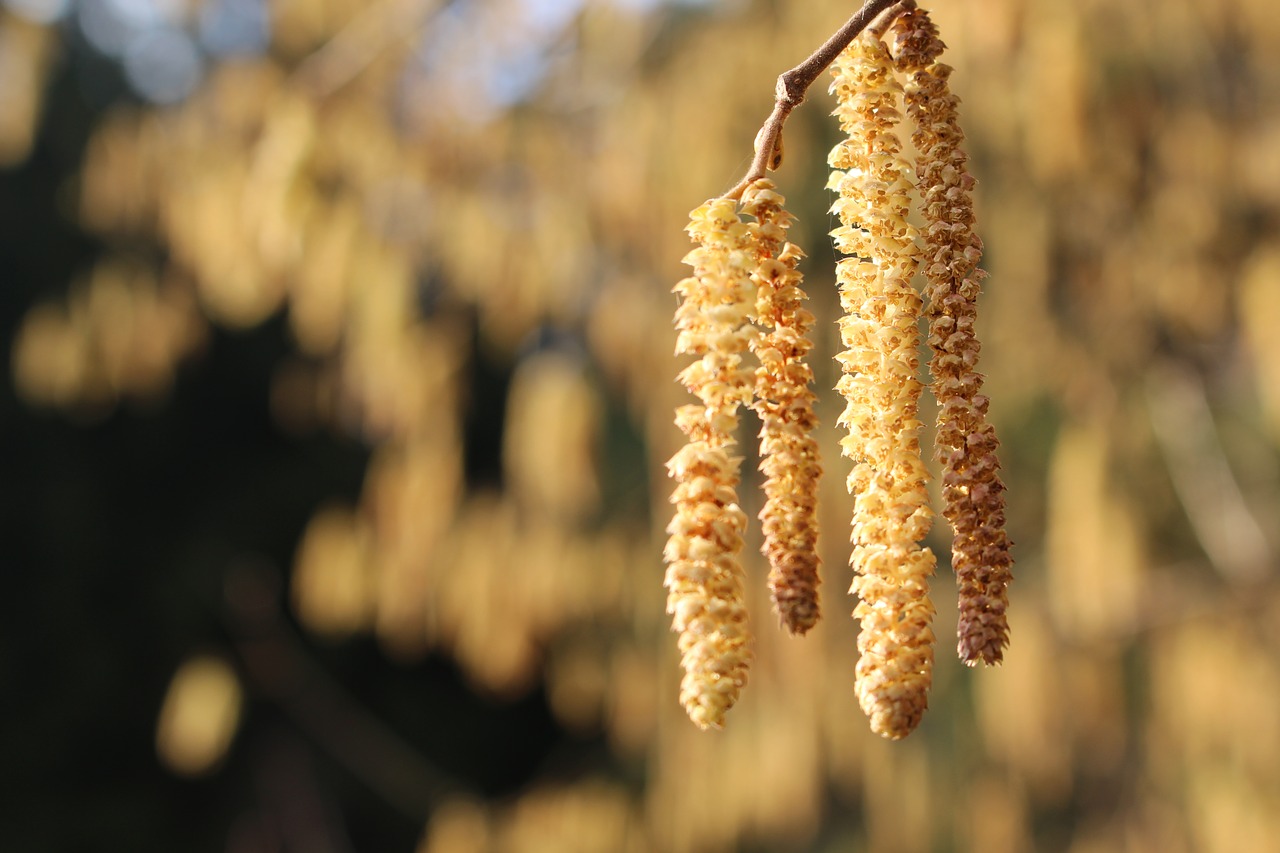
{"points": [[199, 717]]}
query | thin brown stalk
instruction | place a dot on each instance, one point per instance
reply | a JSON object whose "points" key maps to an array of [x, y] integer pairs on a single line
{"points": [[794, 84]]}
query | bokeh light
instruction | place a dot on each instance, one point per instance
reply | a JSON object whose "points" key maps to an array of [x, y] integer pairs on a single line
{"points": [[163, 65], [39, 11], [234, 27]]}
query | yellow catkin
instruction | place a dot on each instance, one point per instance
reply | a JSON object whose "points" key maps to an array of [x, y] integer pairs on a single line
{"points": [[704, 576], [880, 337], [784, 402], [973, 494]]}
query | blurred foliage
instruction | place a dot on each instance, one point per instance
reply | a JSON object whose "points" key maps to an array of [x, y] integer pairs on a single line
{"points": [[369, 338]]}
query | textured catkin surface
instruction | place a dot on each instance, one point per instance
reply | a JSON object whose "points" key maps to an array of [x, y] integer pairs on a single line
{"points": [[879, 335], [784, 403], [704, 575], [973, 494]]}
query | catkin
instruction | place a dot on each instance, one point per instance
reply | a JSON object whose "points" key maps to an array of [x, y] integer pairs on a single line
{"points": [[880, 338], [704, 576], [973, 494], [784, 403]]}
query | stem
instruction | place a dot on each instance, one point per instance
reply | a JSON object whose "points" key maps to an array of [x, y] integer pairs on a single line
{"points": [[792, 86]]}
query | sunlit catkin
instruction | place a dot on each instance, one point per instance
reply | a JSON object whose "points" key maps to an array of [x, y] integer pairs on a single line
{"points": [[879, 334], [784, 402], [973, 494], [704, 575]]}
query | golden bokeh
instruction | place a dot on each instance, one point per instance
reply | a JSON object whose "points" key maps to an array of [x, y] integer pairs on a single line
{"points": [[199, 716]]}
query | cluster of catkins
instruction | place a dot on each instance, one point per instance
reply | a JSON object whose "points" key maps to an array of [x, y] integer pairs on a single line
{"points": [[744, 297]]}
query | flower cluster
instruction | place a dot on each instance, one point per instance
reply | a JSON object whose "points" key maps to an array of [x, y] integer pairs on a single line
{"points": [[879, 333], [704, 575], [784, 402], [973, 495], [745, 294]]}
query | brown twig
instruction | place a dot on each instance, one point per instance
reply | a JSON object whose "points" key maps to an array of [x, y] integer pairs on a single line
{"points": [[793, 84]]}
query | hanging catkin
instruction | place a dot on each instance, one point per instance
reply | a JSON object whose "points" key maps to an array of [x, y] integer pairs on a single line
{"points": [[880, 338], [704, 575], [784, 402], [973, 495], [745, 294]]}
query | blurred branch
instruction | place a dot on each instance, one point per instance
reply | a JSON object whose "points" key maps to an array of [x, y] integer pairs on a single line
{"points": [[278, 667], [1219, 515], [354, 48], [794, 84], [1175, 594], [292, 803]]}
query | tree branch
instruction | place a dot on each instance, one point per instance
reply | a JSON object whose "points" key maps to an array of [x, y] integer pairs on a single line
{"points": [[792, 86]]}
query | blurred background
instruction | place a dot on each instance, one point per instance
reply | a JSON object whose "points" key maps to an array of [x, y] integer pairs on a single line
{"points": [[339, 387]]}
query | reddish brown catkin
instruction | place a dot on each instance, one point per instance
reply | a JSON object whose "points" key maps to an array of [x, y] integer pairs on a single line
{"points": [[704, 579], [973, 494], [880, 335], [784, 402]]}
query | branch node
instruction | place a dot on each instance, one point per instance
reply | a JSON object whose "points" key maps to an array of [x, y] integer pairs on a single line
{"points": [[791, 89]]}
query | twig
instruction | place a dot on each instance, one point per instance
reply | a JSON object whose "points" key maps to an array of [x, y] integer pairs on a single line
{"points": [[792, 86]]}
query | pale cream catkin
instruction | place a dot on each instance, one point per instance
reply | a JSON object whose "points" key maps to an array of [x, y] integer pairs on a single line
{"points": [[879, 333], [704, 575]]}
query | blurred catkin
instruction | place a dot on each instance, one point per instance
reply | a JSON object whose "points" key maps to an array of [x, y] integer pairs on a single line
{"points": [[973, 494], [704, 576], [784, 402], [880, 338]]}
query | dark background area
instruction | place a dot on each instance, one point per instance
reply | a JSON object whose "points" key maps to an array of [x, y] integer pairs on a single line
{"points": [[122, 530]]}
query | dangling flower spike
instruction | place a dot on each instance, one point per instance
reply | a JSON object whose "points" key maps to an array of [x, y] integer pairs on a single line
{"points": [[973, 495], [745, 294], [891, 512], [704, 574], [788, 451]]}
